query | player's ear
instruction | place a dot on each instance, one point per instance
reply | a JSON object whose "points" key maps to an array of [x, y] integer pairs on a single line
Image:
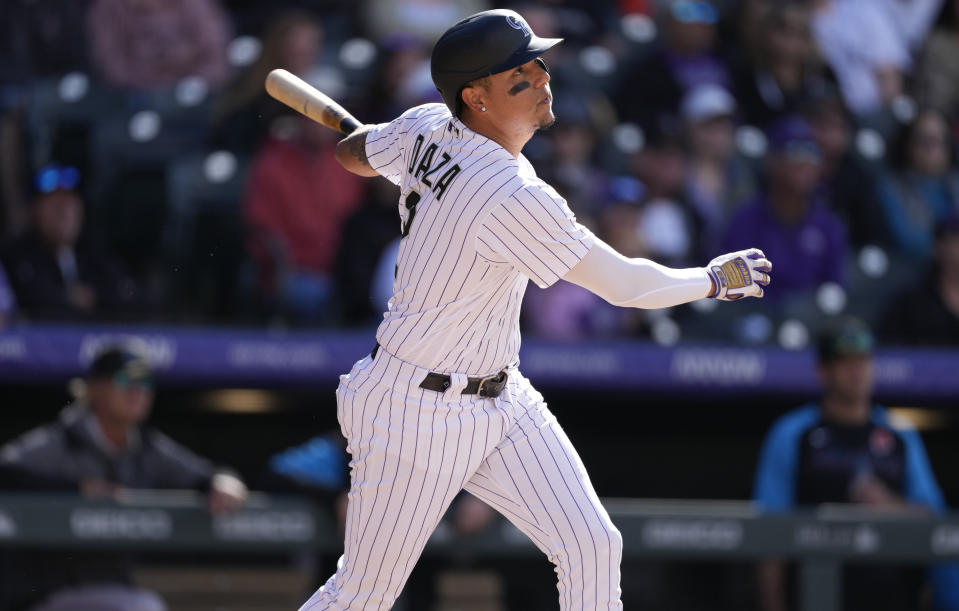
{"points": [[474, 97]]}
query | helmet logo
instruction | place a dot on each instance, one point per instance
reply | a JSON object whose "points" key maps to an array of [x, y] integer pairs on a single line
{"points": [[517, 22]]}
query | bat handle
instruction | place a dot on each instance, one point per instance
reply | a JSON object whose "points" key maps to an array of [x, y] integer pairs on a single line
{"points": [[349, 124]]}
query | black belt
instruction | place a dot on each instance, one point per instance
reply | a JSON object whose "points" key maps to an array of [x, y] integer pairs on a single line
{"points": [[488, 387]]}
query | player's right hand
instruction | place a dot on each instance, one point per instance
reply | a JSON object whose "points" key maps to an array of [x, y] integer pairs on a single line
{"points": [[739, 274], [227, 493]]}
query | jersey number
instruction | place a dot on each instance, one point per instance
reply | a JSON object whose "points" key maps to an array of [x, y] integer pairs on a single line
{"points": [[411, 200]]}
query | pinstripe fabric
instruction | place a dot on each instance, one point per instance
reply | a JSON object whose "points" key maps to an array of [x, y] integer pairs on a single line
{"points": [[494, 227], [412, 453], [483, 225]]}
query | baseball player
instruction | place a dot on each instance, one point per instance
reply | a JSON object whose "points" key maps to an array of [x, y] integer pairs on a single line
{"points": [[440, 405]]}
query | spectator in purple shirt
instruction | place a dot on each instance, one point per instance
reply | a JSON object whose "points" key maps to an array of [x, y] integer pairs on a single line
{"points": [[787, 221]]}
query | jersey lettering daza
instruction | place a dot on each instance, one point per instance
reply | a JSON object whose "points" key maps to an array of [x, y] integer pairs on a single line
{"points": [[423, 169]]}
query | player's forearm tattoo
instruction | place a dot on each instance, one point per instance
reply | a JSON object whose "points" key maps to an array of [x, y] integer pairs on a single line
{"points": [[357, 142]]}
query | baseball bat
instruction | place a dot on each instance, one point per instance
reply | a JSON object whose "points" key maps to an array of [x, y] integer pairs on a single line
{"points": [[310, 101]]}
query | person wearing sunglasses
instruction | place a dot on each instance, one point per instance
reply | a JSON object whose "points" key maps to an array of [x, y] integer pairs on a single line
{"points": [[99, 447], [53, 271]]}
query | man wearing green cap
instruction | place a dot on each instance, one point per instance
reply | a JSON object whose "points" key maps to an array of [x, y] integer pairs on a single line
{"points": [[846, 449], [98, 447]]}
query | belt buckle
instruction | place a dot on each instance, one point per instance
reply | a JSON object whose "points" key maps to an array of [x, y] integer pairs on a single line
{"points": [[498, 381]]}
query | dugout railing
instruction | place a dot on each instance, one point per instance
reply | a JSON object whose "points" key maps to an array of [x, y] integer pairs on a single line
{"points": [[819, 542]]}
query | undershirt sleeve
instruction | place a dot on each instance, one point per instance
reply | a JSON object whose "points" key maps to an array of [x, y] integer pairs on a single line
{"points": [[637, 283]]}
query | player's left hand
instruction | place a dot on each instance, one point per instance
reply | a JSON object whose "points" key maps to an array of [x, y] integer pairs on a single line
{"points": [[870, 490], [227, 493], [739, 274]]}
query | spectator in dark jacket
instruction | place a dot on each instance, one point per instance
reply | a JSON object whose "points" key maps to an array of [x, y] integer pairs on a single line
{"points": [[54, 273], [784, 73], [366, 235], [687, 58], [845, 184], [929, 314], [99, 447], [41, 38]]}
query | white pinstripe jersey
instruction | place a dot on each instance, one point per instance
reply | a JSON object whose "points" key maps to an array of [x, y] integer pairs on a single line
{"points": [[478, 224]]}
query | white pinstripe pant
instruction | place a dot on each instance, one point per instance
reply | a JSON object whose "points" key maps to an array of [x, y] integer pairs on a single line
{"points": [[413, 450]]}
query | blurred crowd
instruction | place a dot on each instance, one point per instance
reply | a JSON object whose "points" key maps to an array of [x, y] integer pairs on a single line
{"points": [[145, 175]]}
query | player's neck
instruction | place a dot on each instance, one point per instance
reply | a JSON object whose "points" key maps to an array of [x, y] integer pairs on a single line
{"points": [[850, 412], [513, 140], [115, 433]]}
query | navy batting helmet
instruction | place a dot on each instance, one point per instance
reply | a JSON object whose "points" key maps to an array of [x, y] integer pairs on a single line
{"points": [[481, 45]]}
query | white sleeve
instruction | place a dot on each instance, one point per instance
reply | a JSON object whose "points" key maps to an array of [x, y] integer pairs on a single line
{"points": [[384, 150], [889, 48], [535, 232], [637, 283]]}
